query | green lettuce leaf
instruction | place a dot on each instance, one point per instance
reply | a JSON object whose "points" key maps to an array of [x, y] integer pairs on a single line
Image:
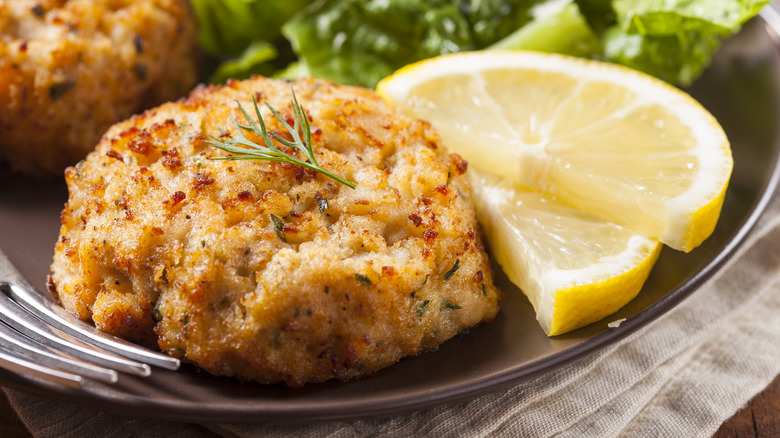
{"points": [[673, 39], [677, 59], [670, 17], [492, 20], [227, 27], [598, 13], [256, 59], [556, 27], [360, 42]]}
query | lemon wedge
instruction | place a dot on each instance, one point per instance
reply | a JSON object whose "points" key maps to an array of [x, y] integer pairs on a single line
{"points": [[618, 144], [574, 268], [579, 169]]}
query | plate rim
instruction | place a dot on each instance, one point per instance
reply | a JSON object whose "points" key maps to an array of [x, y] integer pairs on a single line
{"points": [[377, 406]]}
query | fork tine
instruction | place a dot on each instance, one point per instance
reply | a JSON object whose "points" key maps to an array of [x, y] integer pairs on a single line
{"points": [[51, 313], [17, 344], [60, 319], [29, 325], [22, 366]]}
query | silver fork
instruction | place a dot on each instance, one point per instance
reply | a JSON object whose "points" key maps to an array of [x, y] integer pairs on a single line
{"points": [[41, 339]]}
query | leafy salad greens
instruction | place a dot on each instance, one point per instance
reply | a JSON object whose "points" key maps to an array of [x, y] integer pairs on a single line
{"points": [[360, 42]]}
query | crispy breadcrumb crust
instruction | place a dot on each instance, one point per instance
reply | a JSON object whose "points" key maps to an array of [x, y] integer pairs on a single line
{"points": [[69, 69], [267, 271]]}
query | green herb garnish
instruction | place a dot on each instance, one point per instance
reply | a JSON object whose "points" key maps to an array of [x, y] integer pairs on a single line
{"points": [[245, 149], [450, 305], [58, 89], [452, 271], [422, 307], [278, 226]]}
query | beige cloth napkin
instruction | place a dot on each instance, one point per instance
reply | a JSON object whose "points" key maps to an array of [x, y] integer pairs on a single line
{"points": [[682, 375]]}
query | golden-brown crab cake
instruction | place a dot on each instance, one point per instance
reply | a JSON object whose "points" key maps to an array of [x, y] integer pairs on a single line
{"points": [[69, 69], [267, 271]]}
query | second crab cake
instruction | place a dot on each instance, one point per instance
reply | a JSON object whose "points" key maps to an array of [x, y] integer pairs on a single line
{"points": [[71, 69], [267, 271]]}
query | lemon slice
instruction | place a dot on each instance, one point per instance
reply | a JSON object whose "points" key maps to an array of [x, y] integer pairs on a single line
{"points": [[575, 268], [616, 143]]}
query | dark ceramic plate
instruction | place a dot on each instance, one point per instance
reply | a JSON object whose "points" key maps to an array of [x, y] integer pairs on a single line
{"points": [[742, 89]]}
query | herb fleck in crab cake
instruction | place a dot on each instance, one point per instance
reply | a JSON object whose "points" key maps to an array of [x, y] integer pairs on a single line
{"points": [[270, 271]]}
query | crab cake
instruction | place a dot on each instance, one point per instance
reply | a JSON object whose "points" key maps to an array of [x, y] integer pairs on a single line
{"points": [[267, 271], [69, 69]]}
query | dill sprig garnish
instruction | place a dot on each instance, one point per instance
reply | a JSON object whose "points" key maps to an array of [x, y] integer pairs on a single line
{"points": [[244, 149]]}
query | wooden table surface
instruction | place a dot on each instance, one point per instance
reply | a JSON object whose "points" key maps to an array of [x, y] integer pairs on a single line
{"points": [[758, 419]]}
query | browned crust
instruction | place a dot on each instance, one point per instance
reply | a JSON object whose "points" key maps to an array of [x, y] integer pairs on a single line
{"points": [[266, 271]]}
